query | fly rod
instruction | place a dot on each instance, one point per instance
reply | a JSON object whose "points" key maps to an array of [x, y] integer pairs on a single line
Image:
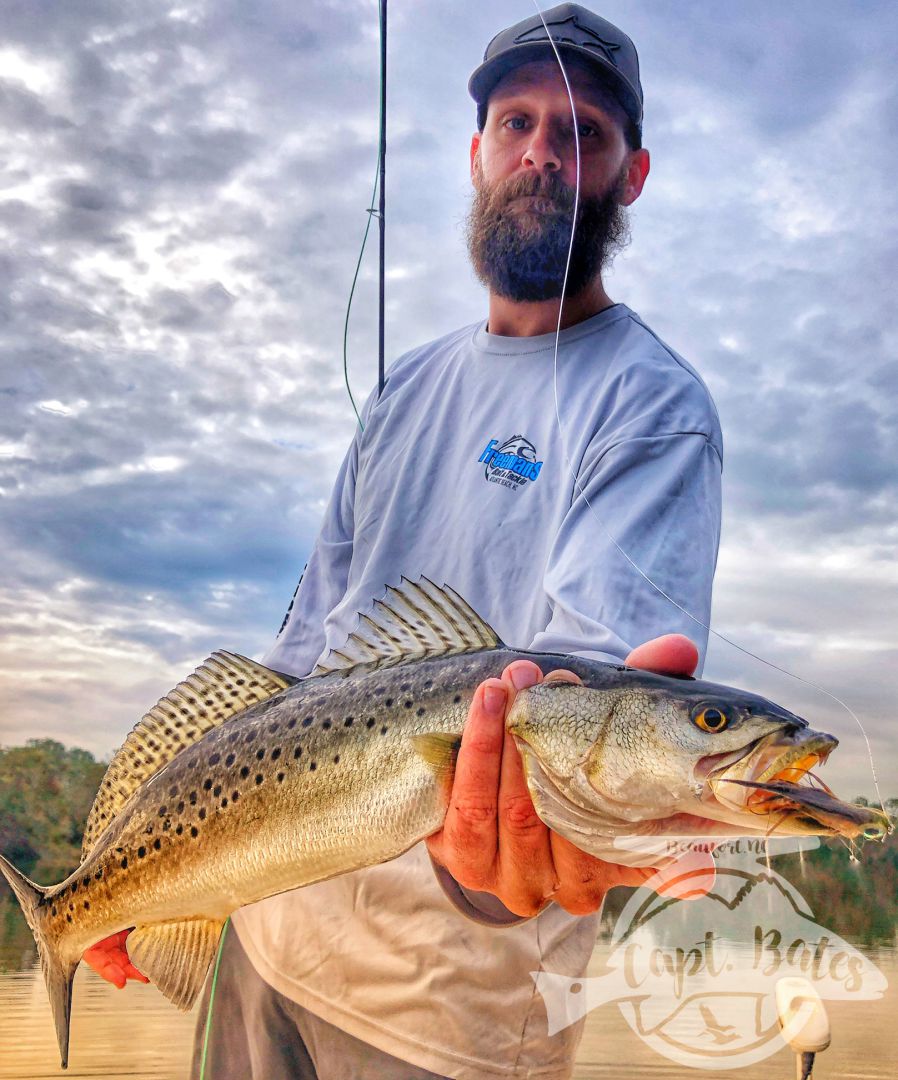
{"points": [[381, 209]]}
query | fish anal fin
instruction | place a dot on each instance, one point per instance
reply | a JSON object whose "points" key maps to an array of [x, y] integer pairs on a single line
{"points": [[175, 956], [222, 687], [415, 620]]}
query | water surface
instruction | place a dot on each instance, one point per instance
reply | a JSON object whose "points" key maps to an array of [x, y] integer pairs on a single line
{"points": [[139, 1034]]}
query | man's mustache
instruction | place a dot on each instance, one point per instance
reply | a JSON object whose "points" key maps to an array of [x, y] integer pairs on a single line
{"points": [[549, 188]]}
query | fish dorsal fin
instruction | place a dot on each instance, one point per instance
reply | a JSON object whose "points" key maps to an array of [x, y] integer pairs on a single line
{"points": [[175, 956], [219, 689], [414, 620]]}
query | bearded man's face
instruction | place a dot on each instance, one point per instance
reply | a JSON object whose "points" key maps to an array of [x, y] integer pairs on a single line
{"points": [[519, 234]]}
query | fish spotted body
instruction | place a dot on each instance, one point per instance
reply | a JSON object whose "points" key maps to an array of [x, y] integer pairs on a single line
{"points": [[243, 782]]}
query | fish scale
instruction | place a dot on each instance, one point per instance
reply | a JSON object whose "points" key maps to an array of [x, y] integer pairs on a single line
{"points": [[243, 782], [279, 801], [316, 748]]}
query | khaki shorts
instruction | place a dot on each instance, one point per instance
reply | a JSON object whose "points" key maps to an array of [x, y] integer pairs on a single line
{"points": [[258, 1034]]}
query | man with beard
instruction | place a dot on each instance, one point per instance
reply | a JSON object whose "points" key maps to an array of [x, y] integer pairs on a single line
{"points": [[463, 473]]}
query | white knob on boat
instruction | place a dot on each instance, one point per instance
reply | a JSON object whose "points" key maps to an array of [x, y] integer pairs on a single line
{"points": [[802, 1017], [803, 1021]]}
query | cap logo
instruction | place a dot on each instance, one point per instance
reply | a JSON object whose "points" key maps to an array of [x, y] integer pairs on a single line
{"points": [[572, 34]]}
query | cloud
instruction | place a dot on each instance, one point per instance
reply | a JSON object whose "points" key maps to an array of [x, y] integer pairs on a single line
{"points": [[182, 198]]}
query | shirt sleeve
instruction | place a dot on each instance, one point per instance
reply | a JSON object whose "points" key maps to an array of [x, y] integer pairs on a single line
{"points": [[480, 907], [644, 521], [324, 580]]}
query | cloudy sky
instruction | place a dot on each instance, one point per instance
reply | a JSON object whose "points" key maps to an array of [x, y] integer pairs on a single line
{"points": [[182, 195]]}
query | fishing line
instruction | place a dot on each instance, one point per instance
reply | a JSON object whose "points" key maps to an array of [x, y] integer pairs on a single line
{"points": [[373, 212], [579, 487], [212, 989]]}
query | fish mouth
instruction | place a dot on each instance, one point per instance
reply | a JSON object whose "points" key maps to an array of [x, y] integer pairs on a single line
{"points": [[775, 780]]}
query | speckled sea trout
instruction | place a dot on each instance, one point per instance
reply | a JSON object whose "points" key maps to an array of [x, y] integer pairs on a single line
{"points": [[245, 782]]}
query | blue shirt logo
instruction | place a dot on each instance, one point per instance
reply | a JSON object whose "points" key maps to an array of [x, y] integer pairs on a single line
{"points": [[512, 464]]}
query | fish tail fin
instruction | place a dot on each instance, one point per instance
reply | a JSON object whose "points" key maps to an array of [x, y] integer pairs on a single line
{"points": [[58, 971]]}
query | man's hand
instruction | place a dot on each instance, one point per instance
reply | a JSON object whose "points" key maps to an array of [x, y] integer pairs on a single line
{"points": [[109, 959], [671, 654], [492, 840]]}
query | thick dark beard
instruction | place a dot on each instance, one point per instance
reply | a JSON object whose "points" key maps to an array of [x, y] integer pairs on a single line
{"points": [[521, 254]]}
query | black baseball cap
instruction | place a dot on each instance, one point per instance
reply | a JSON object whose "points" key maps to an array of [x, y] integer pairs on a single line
{"points": [[574, 30]]}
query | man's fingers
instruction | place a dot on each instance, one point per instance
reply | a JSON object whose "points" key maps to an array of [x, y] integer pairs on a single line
{"points": [[103, 959], [109, 959], [131, 972], [109, 970], [526, 874], [466, 845], [584, 880], [672, 654]]}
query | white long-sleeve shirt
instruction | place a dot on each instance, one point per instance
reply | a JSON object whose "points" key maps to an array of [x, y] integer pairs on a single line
{"points": [[462, 474]]}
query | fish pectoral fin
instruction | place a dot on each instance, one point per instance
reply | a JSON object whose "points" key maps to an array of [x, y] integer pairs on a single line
{"points": [[439, 749], [176, 956]]}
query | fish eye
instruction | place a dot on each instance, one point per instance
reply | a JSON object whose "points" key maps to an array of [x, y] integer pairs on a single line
{"points": [[710, 719]]}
